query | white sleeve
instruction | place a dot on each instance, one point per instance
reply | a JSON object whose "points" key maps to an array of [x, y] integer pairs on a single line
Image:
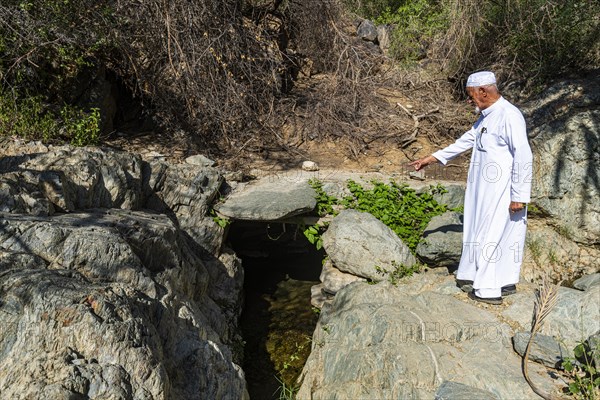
{"points": [[462, 144], [522, 168]]}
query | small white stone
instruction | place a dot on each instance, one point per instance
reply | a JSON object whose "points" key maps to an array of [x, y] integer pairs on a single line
{"points": [[310, 166], [200, 160]]}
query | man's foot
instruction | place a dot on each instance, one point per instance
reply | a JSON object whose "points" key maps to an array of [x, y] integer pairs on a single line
{"points": [[489, 300], [510, 289]]}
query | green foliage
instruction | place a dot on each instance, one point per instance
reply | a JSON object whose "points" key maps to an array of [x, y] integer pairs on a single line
{"points": [[399, 207], [400, 271], [83, 129], [284, 391], [222, 222], [313, 234], [325, 202], [373, 9], [530, 39], [416, 24], [543, 37], [30, 118], [585, 377]]}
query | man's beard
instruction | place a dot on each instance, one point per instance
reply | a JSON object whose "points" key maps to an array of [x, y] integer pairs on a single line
{"points": [[477, 110]]}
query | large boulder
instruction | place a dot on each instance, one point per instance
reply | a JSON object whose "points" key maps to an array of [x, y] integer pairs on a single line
{"points": [[574, 318], [117, 302], [270, 199], [565, 141], [360, 244], [378, 341], [442, 241]]}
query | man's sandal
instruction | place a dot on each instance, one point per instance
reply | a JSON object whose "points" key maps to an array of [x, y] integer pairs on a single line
{"points": [[489, 300], [508, 290]]}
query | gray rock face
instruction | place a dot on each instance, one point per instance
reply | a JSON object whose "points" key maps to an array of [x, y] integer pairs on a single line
{"points": [[367, 31], [566, 146], [453, 198], [114, 303], [574, 318], [458, 391], [593, 344], [442, 244], [186, 192], [92, 177], [544, 349], [270, 199], [358, 242], [587, 281], [375, 341], [334, 280]]}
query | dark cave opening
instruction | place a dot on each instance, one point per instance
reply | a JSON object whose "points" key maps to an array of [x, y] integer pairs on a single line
{"points": [[277, 321]]}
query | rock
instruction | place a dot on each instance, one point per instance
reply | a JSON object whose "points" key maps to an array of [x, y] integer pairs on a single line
{"points": [[334, 280], [83, 178], [593, 345], [565, 141], [383, 36], [375, 341], [358, 243], [113, 302], [186, 192], [318, 297], [457, 391], [573, 318], [548, 252], [270, 199], [367, 31], [442, 241], [454, 196], [544, 349], [200, 161], [20, 192], [418, 175], [310, 166], [587, 281]]}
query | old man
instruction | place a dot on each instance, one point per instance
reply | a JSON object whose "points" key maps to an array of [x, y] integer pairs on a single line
{"points": [[498, 190]]}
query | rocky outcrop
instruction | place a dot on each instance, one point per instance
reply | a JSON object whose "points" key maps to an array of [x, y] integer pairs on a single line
{"points": [[573, 319], [118, 302], [360, 244], [565, 140], [381, 341]]}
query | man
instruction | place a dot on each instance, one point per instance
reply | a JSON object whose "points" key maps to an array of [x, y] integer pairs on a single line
{"points": [[498, 189]]}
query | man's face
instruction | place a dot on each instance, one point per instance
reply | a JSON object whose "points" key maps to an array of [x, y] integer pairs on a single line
{"points": [[476, 97]]}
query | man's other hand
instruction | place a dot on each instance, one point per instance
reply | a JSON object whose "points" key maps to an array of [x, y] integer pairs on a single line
{"points": [[516, 206]]}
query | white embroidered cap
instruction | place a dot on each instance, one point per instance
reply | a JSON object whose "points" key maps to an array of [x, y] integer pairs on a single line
{"points": [[481, 78]]}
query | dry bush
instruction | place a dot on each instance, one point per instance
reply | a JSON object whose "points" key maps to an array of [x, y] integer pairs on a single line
{"points": [[237, 75]]}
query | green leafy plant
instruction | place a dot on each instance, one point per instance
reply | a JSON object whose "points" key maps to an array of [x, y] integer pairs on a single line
{"points": [[222, 222], [325, 202], [285, 391], [30, 118], [398, 206], [416, 24], [83, 129], [313, 234], [400, 271], [585, 377]]}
